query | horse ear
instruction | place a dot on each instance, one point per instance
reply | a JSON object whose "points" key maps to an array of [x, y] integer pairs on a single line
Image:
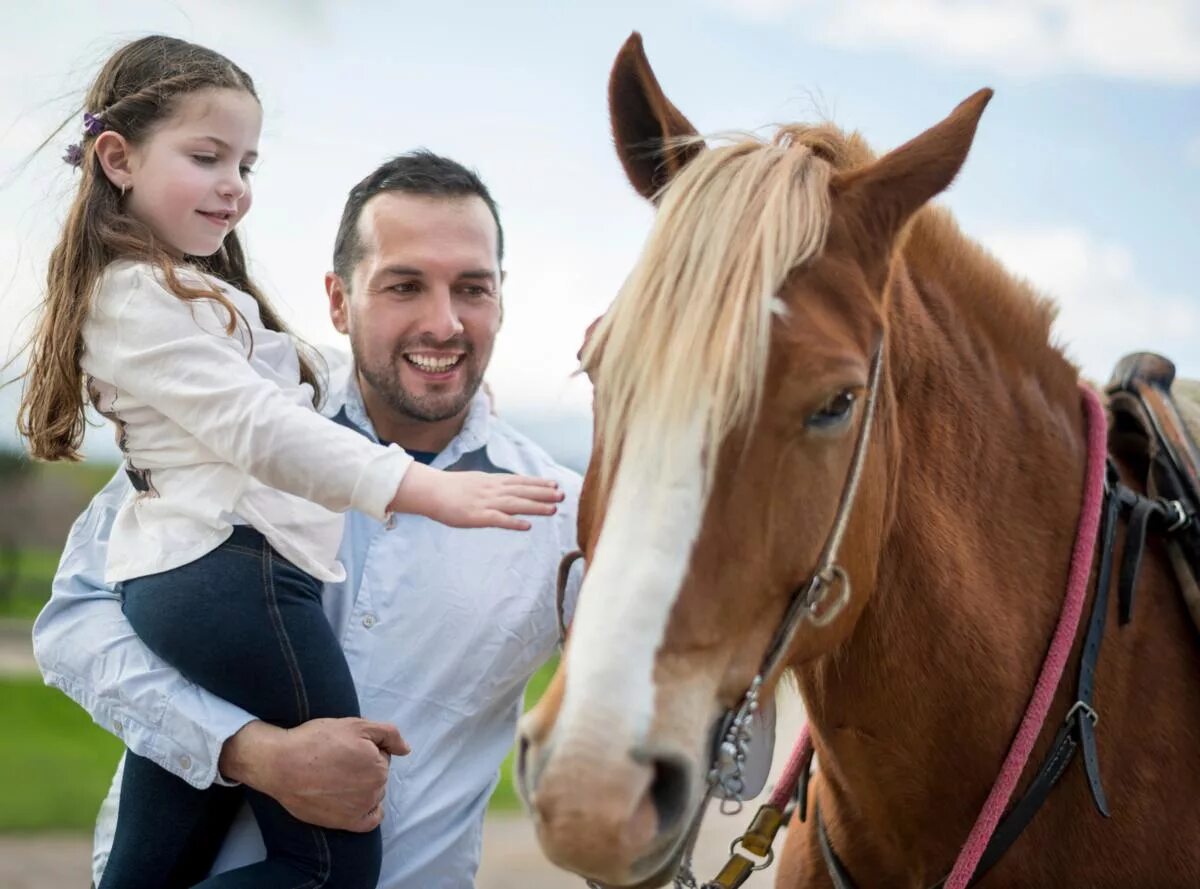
{"points": [[644, 122], [885, 194]]}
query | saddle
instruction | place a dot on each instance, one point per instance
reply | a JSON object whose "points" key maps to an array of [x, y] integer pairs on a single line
{"points": [[1155, 425]]}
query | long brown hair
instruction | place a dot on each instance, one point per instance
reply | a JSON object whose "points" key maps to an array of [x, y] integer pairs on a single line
{"points": [[137, 89]]}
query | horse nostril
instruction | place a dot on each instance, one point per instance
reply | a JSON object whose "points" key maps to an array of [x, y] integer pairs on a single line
{"points": [[669, 789]]}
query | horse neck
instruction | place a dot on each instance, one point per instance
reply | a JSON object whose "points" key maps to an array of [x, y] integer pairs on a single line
{"points": [[914, 713]]}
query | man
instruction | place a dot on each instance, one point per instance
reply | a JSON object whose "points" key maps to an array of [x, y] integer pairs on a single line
{"points": [[441, 627]]}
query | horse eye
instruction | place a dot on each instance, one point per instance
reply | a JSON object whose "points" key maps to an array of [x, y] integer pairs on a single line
{"points": [[836, 410]]}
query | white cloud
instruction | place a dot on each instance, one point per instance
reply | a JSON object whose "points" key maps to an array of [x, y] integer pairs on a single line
{"points": [[1155, 41], [1106, 311]]}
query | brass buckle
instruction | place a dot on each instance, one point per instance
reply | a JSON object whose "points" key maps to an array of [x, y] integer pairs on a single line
{"points": [[757, 841]]}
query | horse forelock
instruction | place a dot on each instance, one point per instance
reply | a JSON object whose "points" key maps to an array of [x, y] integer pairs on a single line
{"points": [[686, 342]]}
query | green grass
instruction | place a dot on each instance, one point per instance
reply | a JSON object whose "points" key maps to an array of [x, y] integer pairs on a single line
{"points": [[505, 797], [25, 582], [87, 477], [55, 764], [31, 587]]}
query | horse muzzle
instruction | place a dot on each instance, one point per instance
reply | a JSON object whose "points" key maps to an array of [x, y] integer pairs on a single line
{"points": [[615, 813]]}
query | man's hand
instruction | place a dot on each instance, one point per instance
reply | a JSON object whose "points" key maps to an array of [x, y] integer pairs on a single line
{"points": [[327, 772]]}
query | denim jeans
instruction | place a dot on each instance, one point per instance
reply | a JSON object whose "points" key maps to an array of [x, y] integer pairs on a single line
{"points": [[247, 625]]}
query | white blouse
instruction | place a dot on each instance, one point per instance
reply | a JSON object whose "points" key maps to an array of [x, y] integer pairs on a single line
{"points": [[217, 430]]}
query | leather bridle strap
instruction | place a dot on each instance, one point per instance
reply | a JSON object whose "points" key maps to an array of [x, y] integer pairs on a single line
{"points": [[560, 598], [809, 597]]}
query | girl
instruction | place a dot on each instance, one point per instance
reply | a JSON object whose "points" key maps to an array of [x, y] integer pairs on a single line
{"points": [[237, 481]]}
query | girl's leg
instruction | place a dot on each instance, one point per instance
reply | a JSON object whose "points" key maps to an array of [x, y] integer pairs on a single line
{"points": [[248, 626], [168, 832]]}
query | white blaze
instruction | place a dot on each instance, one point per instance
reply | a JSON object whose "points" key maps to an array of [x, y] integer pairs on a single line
{"points": [[645, 546]]}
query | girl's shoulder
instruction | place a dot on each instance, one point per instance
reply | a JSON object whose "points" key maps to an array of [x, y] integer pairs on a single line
{"points": [[130, 291], [126, 281], [121, 284], [135, 273]]}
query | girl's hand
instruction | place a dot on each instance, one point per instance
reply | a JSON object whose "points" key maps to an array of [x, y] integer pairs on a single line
{"points": [[475, 499]]}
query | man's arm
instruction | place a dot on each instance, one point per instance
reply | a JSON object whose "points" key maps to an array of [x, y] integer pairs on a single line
{"points": [[326, 772], [86, 648]]}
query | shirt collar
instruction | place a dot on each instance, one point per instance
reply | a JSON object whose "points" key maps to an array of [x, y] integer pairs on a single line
{"points": [[480, 430]]}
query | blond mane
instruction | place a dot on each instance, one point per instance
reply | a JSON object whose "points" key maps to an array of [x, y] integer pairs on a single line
{"points": [[686, 341]]}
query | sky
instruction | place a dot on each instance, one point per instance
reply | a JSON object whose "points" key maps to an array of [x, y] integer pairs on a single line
{"points": [[1084, 177]]}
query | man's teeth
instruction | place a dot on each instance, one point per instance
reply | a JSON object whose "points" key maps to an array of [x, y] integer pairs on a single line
{"points": [[434, 364]]}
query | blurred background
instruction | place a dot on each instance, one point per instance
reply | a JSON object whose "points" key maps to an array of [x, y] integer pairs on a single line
{"points": [[1085, 178]]}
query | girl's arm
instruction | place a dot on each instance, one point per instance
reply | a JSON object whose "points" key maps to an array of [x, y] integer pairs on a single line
{"points": [[175, 356]]}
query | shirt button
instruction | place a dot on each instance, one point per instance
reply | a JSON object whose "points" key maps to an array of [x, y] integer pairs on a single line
{"points": [[185, 762], [117, 726], [368, 621]]}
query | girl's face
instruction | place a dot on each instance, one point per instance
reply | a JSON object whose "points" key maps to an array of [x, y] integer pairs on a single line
{"points": [[190, 179]]}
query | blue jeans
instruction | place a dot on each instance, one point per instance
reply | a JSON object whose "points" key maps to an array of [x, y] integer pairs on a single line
{"points": [[247, 625]]}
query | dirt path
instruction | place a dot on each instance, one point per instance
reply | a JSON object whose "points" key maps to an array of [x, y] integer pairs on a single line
{"points": [[511, 858]]}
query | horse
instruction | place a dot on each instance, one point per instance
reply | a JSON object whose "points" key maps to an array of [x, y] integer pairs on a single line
{"points": [[809, 356]]}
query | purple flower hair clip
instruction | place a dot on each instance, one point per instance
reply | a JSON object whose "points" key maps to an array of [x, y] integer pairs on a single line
{"points": [[93, 125], [74, 155]]}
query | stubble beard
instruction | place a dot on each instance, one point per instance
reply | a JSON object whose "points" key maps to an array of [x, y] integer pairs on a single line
{"points": [[385, 380]]}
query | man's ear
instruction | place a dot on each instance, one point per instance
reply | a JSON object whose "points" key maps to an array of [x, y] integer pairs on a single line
{"points": [[339, 302], [116, 158]]}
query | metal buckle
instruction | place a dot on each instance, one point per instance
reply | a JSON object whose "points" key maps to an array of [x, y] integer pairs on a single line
{"points": [[816, 615], [1182, 518], [1087, 709], [767, 860]]}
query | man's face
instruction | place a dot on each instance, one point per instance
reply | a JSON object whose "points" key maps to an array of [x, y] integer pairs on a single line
{"points": [[423, 305]]}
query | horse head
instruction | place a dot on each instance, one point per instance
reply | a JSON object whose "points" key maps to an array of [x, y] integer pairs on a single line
{"points": [[735, 377]]}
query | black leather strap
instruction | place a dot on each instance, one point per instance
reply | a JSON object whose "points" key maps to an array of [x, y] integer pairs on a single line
{"points": [[1081, 718], [1092, 642], [1142, 511], [837, 871], [1077, 731]]}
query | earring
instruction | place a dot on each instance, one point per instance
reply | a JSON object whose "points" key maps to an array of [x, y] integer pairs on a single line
{"points": [[124, 186]]}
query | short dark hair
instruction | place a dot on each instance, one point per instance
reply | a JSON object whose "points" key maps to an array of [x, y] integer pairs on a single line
{"points": [[419, 172]]}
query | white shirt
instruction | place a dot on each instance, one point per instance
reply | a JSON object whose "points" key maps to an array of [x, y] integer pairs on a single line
{"points": [[441, 628], [217, 428]]}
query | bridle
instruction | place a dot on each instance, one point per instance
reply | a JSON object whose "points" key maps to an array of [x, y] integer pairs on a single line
{"points": [[813, 601]]}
